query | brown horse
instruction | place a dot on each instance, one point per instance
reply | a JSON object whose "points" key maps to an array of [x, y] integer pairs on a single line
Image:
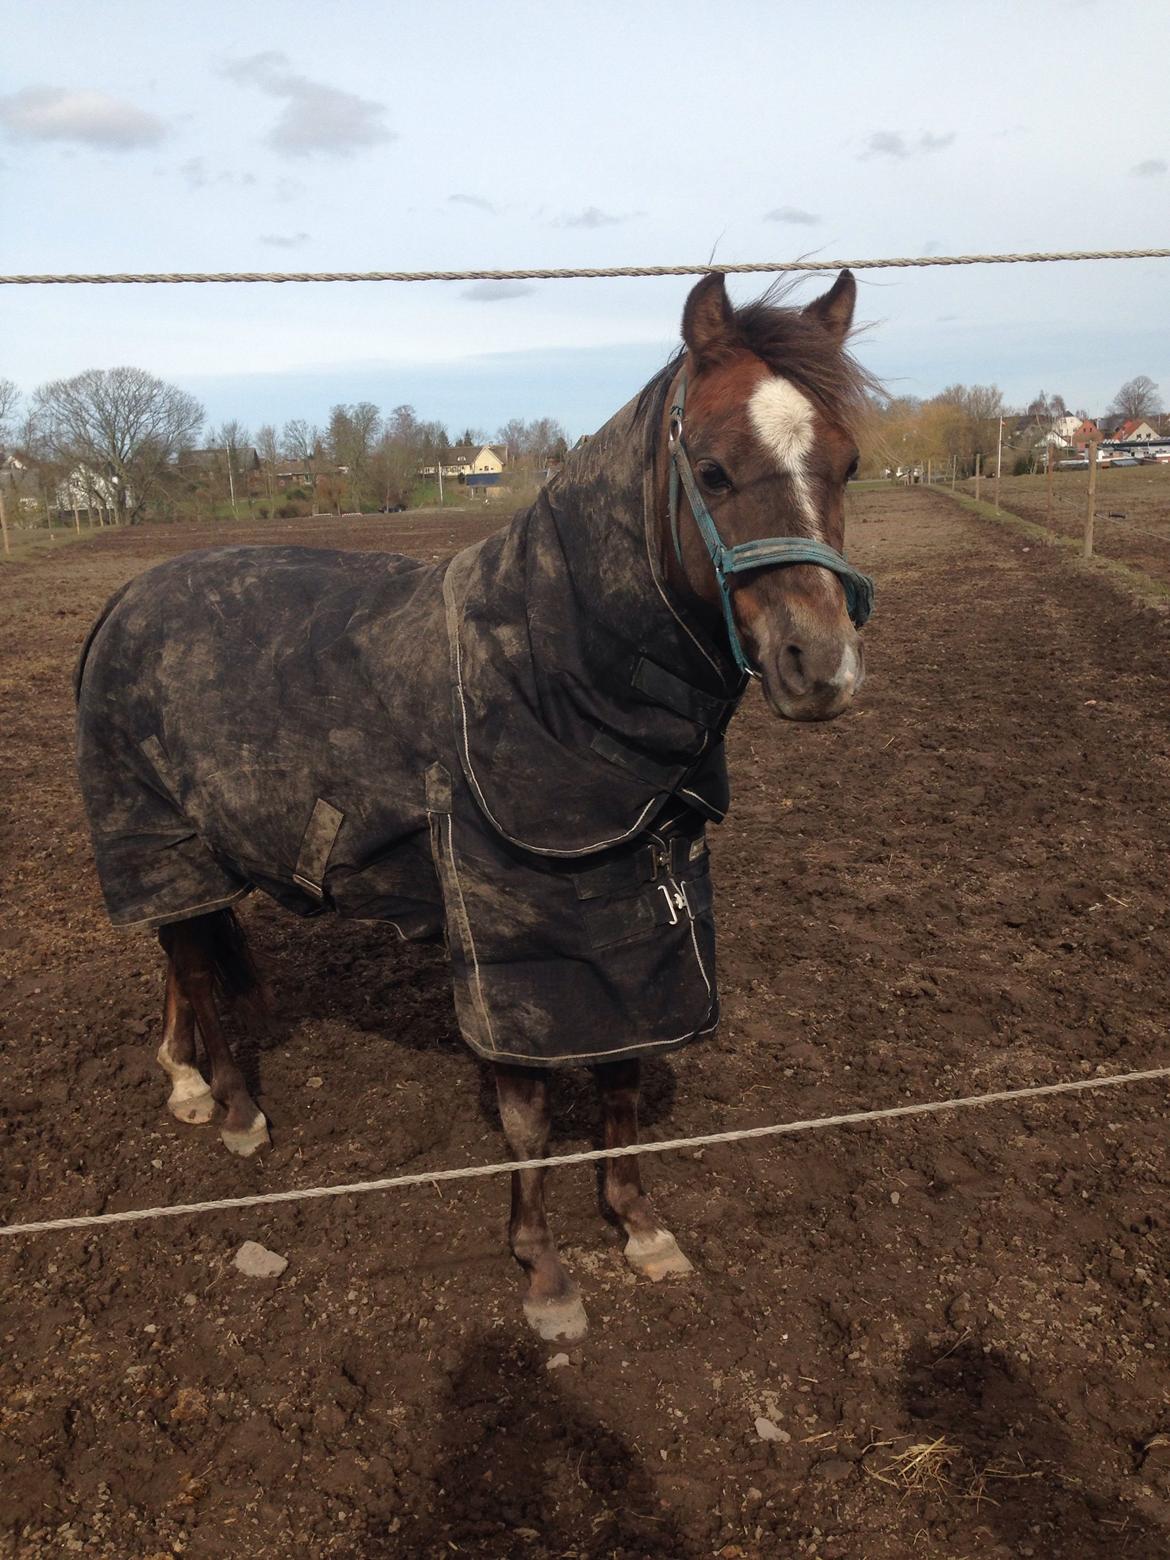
{"points": [[755, 420]]}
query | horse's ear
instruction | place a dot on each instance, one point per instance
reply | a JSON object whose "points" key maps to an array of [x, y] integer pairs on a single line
{"points": [[708, 322], [834, 309]]}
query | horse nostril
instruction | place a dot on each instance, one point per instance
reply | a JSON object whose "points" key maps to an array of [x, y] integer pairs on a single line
{"points": [[792, 668]]}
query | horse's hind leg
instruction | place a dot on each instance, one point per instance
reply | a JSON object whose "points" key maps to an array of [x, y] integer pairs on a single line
{"points": [[197, 954], [650, 1247], [190, 1098], [553, 1302]]}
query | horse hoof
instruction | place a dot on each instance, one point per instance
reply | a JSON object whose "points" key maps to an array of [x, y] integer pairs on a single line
{"points": [[657, 1256], [557, 1321], [195, 1110], [247, 1142]]}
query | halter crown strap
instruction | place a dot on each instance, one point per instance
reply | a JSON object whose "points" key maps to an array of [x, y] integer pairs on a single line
{"points": [[762, 552]]}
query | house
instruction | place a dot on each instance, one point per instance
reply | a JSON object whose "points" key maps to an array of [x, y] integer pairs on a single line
{"points": [[206, 465], [1135, 430], [293, 474], [88, 492], [1084, 433], [19, 482], [465, 460]]}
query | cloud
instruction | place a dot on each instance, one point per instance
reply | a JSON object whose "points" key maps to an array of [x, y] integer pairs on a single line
{"points": [[886, 143], [197, 176], [793, 215], [284, 240], [1150, 168], [315, 116], [85, 118], [890, 143], [472, 200], [593, 217], [490, 292]]}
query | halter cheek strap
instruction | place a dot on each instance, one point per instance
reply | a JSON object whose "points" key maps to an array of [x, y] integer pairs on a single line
{"points": [[764, 552]]}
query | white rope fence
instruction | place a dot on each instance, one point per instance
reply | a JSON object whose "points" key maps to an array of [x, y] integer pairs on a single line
{"points": [[535, 274], [470, 1172]]}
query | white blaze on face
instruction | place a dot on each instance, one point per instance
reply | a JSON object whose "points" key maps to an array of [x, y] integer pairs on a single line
{"points": [[782, 416]]}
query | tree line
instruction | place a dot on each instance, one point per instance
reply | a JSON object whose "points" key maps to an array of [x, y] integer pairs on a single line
{"points": [[121, 443], [963, 421]]}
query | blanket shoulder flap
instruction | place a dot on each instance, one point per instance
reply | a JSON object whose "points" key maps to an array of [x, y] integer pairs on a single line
{"points": [[588, 773]]}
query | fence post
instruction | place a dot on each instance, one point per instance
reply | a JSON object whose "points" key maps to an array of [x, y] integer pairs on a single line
{"points": [[978, 464], [1048, 474], [998, 464], [4, 520], [1091, 506]]}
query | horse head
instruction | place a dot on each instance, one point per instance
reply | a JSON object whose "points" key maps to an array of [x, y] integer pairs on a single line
{"points": [[757, 445]]}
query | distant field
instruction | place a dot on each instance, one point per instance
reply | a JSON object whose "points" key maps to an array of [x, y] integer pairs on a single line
{"points": [[1132, 517]]}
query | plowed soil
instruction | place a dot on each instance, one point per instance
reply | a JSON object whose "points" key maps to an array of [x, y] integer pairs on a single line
{"points": [[956, 1325]]}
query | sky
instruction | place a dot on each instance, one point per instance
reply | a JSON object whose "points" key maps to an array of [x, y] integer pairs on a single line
{"points": [[454, 135]]}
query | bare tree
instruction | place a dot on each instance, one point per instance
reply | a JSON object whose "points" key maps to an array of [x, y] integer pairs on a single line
{"points": [[122, 424], [1136, 398], [9, 399], [353, 434], [233, 438], [269, 453], [300, 442]]}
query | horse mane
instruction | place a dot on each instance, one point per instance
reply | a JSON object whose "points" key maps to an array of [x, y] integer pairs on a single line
{"points": [[793, 343]]}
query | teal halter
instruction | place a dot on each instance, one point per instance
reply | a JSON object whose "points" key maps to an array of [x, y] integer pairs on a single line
{"points": [[764, 552]]}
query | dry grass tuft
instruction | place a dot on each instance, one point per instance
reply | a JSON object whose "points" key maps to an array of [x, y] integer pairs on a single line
{"points": [[937, 1469]]}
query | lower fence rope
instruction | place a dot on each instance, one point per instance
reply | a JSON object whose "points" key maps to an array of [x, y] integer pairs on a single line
{"points": [[586, 1156]]}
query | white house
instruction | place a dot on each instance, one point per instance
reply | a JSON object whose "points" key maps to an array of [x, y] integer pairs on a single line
{"points": [[85, 489]]}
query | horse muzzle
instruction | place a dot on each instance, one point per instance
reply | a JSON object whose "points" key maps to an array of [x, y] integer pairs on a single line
{"points": [[812, 678]]}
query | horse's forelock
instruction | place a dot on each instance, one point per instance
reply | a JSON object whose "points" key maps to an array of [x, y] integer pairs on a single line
{"points": [[791, 342]]}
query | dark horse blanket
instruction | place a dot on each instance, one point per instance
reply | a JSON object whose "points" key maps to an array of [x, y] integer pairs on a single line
{"points": [[519, 747]]}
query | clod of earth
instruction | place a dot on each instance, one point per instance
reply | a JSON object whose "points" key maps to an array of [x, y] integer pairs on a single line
{"points": [[256, 1261]]}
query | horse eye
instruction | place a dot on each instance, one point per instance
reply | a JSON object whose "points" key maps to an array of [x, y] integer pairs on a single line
{"points": [[852, 472], [713, 476]]}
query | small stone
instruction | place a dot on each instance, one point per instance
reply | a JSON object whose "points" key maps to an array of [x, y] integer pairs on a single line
{"points": [[256, 1261], [314, 1082], [895, 1198], [556, 1362], [767, 1431]]}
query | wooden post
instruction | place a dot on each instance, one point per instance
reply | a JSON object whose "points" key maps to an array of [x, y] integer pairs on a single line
{"points": [[77, 519], [1051, 469], [4, 521], [1091, 507], [998, 464], [978, 464], [929, 468], [954, 465]]}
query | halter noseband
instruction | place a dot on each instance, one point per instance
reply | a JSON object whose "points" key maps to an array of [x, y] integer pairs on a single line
{"points": [[758, 554]]}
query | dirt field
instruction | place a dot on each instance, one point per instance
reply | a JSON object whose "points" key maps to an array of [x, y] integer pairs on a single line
{"points": [[958, 1326], [1132, 522]]}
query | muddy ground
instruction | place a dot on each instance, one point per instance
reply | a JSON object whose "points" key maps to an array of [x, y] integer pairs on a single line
{"points": [[961, 886]]}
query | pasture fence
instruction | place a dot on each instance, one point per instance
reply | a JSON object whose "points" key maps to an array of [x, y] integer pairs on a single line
{"points": [[585, 1156]]}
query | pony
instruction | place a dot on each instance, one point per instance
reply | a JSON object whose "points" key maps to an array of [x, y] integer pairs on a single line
{"points": [[518, 749]]}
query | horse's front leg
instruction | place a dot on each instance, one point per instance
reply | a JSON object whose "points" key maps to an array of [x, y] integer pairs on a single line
{"points": [[650, 1247], [553, 1303]]}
